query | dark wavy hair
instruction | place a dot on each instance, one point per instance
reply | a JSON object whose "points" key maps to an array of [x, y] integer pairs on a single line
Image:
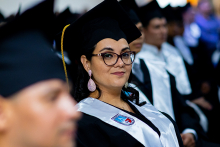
{"points": [[80, 80]]}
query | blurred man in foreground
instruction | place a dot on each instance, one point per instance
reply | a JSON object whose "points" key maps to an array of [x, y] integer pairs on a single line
{"points": [[36, 109]]}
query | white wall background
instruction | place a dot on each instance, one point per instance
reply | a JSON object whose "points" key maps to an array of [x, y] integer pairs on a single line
{"points": [[8, 7]]}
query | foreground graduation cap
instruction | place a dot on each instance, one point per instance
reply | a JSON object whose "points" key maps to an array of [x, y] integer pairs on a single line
{"points": [[130, 7], [149, 11], [106, 20], [25, 50]]}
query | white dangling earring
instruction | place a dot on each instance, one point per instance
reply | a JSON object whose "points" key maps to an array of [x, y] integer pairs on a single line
{"points": [[91, 84], [126, 84]]}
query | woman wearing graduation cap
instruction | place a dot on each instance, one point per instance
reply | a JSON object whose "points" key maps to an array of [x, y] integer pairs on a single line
{"points": [[97, 44]]}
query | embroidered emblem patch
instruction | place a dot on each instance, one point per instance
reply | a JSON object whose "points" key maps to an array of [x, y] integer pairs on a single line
{"points": [[124, 120]]}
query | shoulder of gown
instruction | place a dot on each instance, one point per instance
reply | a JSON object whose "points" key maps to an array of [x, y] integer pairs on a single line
{"points": [[94, 132]]}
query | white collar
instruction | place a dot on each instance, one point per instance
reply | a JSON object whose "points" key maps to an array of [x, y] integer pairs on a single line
{"points": [[150, 52]]}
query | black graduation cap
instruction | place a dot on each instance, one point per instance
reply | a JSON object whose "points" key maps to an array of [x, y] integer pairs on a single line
{"points": [[130, 7], [149, 11], [178, 13], [172, 14], [186, 7], [25, 50], [2, 18], [64, 18], [106, 20], [169, 13]]}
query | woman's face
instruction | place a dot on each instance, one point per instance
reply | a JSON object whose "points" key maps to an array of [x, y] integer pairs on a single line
{"points": [[136, 45], [109, 77]]}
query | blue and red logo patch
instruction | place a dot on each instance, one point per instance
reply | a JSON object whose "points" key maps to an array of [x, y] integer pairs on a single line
{"points": [[124, 120]]}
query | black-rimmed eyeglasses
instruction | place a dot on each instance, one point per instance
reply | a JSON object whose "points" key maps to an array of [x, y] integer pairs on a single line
{"points": [[112, 58]]}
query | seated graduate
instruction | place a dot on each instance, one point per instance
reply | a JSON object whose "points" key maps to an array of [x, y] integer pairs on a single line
{"points": [[98, 44], [194, 67], [158, 85], [36, 109], [207, 99]]}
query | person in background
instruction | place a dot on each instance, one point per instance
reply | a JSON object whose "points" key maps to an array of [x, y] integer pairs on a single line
{"points": [[138, 74], [136, 45], [192, 64], [202, 61], [112, 113], [36, 109], [209, 25], [192, 32], [153, 69], [208, 100]]}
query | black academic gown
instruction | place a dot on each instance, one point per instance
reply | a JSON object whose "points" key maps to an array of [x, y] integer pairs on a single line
{"points": [[184, 115], [92, 132]]}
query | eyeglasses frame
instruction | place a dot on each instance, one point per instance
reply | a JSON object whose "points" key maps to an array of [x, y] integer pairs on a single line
{"points": [[118, 56]]}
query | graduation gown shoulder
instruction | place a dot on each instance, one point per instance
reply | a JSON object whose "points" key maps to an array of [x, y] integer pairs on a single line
{"points": [[94, 132]]}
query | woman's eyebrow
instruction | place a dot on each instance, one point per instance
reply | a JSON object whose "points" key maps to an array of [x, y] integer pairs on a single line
{"points": [[126, 48], [110, 49], [106, 48]]}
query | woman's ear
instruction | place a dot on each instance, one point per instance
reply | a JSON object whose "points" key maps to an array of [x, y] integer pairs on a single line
{"points": [[85, 62]]}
